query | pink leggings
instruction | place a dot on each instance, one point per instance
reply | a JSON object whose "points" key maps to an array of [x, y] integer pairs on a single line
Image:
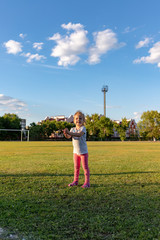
{"points": [[77, 163]]}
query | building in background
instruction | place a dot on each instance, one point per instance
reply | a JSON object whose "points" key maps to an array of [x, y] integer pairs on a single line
{"points": [[59, 118], [131, 131]]}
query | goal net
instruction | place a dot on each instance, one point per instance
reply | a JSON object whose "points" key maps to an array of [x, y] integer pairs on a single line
{"points": [[22, 136]]}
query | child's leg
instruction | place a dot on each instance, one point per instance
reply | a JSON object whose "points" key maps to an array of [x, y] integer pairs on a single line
{"points": [[84, 159], [77, 162]]}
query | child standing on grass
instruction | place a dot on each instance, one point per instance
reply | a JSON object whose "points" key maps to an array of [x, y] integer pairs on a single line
{"points": [[80, 151]]}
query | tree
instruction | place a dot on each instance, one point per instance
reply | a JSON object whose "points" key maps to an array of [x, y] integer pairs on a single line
{"points": [[10, 121], [1, 123], [149, 125], [121, 128], [105, 127], [36, 132], [48, 128], [98, 127], [45, 130], [92, 126]]}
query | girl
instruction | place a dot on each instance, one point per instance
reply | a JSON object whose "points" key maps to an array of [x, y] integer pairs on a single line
{"points": [[80, 150]]}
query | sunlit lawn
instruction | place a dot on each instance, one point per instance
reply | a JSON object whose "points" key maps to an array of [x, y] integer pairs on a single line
{"points": [[122, 203]]}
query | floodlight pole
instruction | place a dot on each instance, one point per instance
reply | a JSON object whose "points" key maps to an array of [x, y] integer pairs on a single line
{"points": [[104, 90], [28, 136]]}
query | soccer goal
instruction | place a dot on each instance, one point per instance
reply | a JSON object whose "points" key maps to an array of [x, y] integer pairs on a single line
{"points": [[26, 132]]}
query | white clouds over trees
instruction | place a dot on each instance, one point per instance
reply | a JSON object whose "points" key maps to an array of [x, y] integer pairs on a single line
{"points": [[75, 45], [11, 104], [38, 45], [30, 57], [13, 47], [104, 41], [144, 43], [22, 35], [154, 56], [69, 47]]}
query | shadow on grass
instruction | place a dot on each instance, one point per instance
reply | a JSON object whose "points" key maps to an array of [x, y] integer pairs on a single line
{"points": [[110, 214], [70, 175], [119, 211], [142, 185]]}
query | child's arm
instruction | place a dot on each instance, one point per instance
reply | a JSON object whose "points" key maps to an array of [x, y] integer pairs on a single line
{"points": [[65, 134], [71, 134]]}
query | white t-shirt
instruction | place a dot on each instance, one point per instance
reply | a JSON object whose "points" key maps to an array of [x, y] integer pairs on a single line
{"points": [[79, 143]]}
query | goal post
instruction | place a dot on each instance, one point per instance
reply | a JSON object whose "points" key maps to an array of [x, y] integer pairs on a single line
{"points": [[18, 130]]}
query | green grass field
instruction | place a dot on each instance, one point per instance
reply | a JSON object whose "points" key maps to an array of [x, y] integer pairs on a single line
{"points": [[122, 203]]}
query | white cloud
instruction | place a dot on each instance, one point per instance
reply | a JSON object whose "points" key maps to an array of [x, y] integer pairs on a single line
{"points": [[13, 47], [104, 41], [53, 67], [37, 46], [71, 26], [144, 43], [71, 45], [22, 35], [137, 115], [154, 56], [55, 36], [11, 104], [30, 57], [129, 29]]}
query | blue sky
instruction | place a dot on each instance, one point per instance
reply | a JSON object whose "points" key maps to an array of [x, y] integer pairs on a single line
{"points": [[55, 56]]}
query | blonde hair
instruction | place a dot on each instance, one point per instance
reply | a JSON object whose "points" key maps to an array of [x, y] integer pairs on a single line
{"points": [[80, 113]]}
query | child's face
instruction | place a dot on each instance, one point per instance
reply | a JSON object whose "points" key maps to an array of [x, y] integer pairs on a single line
{"points": [[78, 120]]}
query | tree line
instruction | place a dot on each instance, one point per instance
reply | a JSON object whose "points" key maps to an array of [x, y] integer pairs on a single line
{"points": [[102, 128], [10, 121], [98, 128]]}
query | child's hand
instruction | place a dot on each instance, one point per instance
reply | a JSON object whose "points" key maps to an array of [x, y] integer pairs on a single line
{"points": [[66, 131]]}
